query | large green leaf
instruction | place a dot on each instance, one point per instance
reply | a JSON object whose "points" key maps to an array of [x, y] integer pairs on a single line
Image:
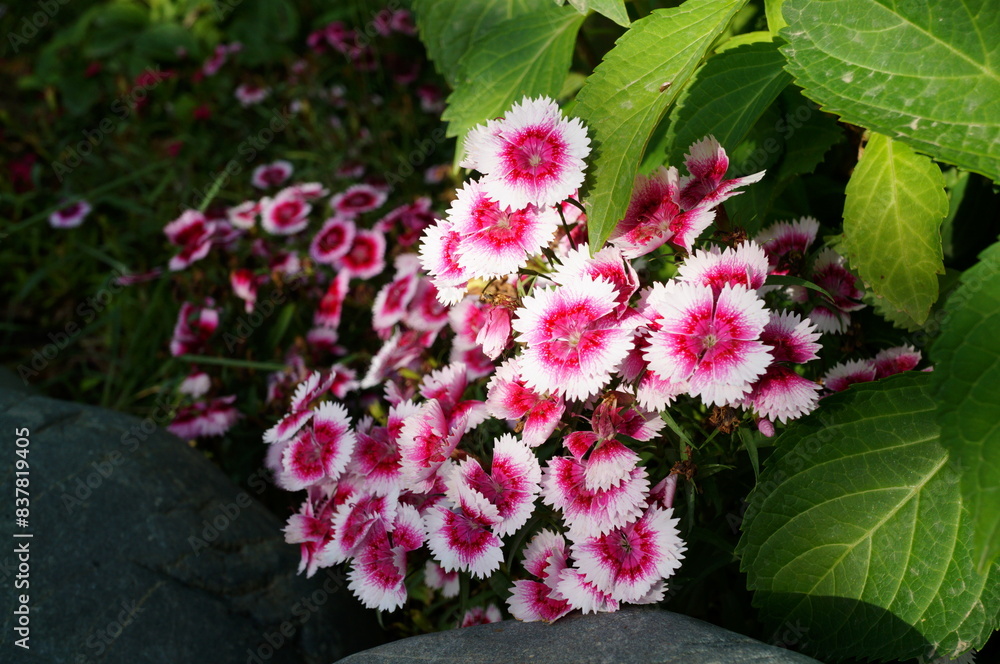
{"points": [[525, 56], [927, 73], [630, 91], [726, 97], [856, 531], [892, 225], [613, 9], [966, 370], [449, 28]]}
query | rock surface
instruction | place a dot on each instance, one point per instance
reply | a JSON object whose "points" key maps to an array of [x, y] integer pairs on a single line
{"points": [[142, 551], [633, 635]]}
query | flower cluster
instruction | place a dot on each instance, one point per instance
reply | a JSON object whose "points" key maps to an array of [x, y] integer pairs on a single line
{"points": [[543, 333]]}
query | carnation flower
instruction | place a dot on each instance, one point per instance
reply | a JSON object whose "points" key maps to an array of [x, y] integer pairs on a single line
{"points": [[711, 342], [781, 394], [321, 449], [192, 232], [508, 397], [271, 175], [844, 374], [195, 325], [249, 94], [70, 216], [786, 243], [333, 240], [285, 214], [607, 264], [746, 266], [627, 562], [479, 615], [496, 239], [462, 538], [366, 257], [533, 156], [572, 345], [707, 162], [243, 215], [511, 485], [205, 418], [437, 578], [439, 258], [358, 199], [195, 385], [584, 595], [244, 285], [587, 511], [896, 360], [830, 273]]}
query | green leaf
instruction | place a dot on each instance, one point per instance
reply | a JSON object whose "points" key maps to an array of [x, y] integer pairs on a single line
{"points": [[966, 368], [161, 42], [926, 73], [726, 97], [892, 225], [525, 56], [775, 21], [627, 95], [448, 28], [613, 9], [856, 531]]}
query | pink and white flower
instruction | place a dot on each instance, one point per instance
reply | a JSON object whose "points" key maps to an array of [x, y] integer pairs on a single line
{"points": [[192, 232], [791, 338], [787, 242], [437, 578], [844, 374], [607, 264], [379, 570], [532, 156], [244, 285], [781, 394], [746, 266], [392, 300], [439, 258], [628, 561], [896, 360], [572, 344], [511, 485], [587, 511], [249, 94], [331, 305], [830, 272], [333, 240], [366, 257], [244, 215], [711, 342], [213, 417], [358, 199], [426, 443], [271, 175], [195, 385], [70, 216], [509, 398], [285, 214], [195, 326], [705, 187], [462, 538], [321, 449], [497, 240], [479, 615]]}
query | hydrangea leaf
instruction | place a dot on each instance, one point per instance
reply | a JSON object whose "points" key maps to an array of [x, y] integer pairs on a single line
{"points": [[631, 90], [726, 97], [857, 531], [966, 365], [893, 211], [613, 9], [926, 73], [528, 56], [448, 28]]}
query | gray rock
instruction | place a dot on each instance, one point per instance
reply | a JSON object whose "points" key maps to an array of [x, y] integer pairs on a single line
{"points": [[143, 551], [631, 636]]}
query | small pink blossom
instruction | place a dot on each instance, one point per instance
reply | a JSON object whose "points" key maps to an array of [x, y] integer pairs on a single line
{"points": [[439, 258], [746, 266], [205, 418], [713, 343], [479, 615], [830, 273], [249, 94], [627, 562], [437, 578], [532, 156], [195, 326], [495, 239], [572, 344], [358, 199], [592, 512], [426, 443], [366, 257], [285, 214], [786, 243], [607, 264], [244, 285], [271, 175], [333, 240], [705, 187], [392, 300], [70, 216], [331, 305], [192, 232], [509, 398], [791, 338], [781, 394], [196, 384], [462, 538], [511, 485], [244, 215], [845, 374], [321, 449], [896, 360]]}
